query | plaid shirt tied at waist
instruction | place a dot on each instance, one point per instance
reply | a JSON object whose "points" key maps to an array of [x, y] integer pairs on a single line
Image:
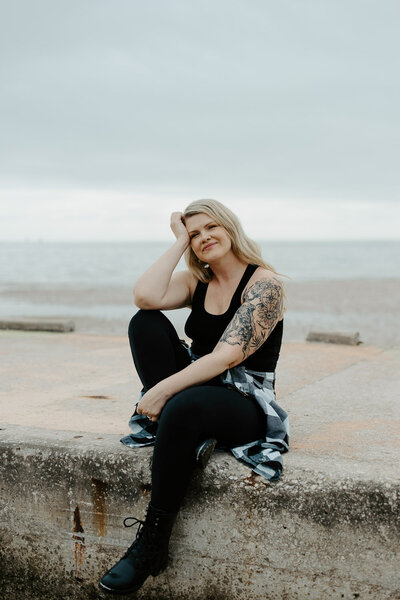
{"points": [[263, 456]]}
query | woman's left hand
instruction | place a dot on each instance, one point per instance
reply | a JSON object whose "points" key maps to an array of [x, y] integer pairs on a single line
{"points": [[152, 403]]}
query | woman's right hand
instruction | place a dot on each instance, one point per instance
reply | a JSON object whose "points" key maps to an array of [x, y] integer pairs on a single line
{"points": [[178, 227]]}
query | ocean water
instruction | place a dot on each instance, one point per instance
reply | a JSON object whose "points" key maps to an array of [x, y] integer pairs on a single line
{"points": [[120, 264], [335, 286]]}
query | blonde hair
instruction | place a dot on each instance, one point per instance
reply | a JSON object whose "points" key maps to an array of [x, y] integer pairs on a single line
{"points": [[242, 246]]}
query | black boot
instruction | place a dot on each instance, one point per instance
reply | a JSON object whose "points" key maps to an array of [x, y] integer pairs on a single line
{"points": [[148, 555], [204, 451]]}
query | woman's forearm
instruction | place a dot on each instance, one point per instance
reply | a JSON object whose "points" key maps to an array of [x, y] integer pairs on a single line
{"points": [[153, 284], [201, 370]]}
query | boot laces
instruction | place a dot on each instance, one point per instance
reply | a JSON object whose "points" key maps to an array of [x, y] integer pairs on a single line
{"points": [[135, 522], [142, 542], [138, 532]]}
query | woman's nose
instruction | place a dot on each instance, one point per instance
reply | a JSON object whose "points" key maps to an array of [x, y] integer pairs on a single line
{"points": [[205, 235]]}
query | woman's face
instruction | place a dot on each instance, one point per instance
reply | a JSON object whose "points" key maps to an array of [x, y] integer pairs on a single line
{"points": [[208, 240]]}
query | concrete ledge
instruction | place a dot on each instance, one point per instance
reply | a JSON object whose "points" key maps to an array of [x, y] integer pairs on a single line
{"points": [[38, 325], [311, 535], [334, 337]]}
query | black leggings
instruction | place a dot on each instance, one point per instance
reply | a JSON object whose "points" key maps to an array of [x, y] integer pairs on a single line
{"points": [[209, 410]]}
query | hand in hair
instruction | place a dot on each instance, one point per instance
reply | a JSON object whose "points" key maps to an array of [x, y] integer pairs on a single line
{"points": [[178, 226]]}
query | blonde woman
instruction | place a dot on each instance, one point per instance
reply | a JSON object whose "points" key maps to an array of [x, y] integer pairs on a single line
{"points": [[218, 391]]}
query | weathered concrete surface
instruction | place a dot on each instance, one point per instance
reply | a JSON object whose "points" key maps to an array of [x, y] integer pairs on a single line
{"points": [[310, 535], [88, 382], [328, 529]]}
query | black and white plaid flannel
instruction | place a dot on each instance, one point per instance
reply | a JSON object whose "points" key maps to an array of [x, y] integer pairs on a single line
{"points": [[263, 456]]}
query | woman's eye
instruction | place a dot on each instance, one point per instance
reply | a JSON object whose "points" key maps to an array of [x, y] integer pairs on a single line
{"points": [[192, 236]]}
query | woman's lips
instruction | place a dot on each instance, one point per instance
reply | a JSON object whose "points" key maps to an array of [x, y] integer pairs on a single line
{"points": [[209, 246]]}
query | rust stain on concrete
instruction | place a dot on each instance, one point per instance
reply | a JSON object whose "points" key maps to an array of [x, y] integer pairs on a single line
{"points": [[145, 488], [253, 479], [99, 505], [79, 546]]}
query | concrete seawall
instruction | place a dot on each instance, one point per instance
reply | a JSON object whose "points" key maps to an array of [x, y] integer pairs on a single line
{"points": [[329, 529], [306, 536]]}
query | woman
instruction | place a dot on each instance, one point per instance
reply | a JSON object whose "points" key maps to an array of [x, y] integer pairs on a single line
{"points": [[221, 389]]}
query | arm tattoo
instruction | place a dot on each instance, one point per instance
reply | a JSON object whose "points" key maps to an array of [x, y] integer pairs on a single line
{"points": [[256, 317]]}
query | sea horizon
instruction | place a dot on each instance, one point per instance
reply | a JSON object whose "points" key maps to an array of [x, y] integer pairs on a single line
{"points": [[119, 263], [170, 240], [331, 285]]}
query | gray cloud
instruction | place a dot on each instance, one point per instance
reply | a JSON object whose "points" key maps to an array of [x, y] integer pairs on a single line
{"points": [[298, 98]]}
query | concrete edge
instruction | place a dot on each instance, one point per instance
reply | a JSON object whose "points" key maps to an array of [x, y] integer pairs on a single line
{"points": [[237, 537], [310, 494]]}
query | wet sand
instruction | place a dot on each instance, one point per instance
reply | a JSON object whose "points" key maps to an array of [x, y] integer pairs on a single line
{"points": [[371, 307]]}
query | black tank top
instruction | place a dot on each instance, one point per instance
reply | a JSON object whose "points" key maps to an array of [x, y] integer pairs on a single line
{"points": [[206, 329]]}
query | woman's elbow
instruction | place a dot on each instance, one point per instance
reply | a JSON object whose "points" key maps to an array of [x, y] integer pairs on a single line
{"points": [[141, 301], [229, 356], [236, 361]]}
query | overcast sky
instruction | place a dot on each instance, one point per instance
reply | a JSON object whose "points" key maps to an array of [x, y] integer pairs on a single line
{"points": [[115, 113]]}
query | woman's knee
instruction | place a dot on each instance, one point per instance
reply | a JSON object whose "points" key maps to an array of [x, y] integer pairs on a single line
{"points": [[143, 320], [185, 405]]}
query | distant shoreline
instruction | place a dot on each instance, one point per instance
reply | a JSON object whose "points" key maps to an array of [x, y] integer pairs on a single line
{"points": [[370, 306]]}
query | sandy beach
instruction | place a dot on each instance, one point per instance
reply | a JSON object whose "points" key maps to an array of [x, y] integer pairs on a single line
{"points": [[371, 307]]}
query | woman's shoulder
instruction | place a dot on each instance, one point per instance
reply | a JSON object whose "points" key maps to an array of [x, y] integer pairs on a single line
{"points": [[261, 280], [263, 274]]}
